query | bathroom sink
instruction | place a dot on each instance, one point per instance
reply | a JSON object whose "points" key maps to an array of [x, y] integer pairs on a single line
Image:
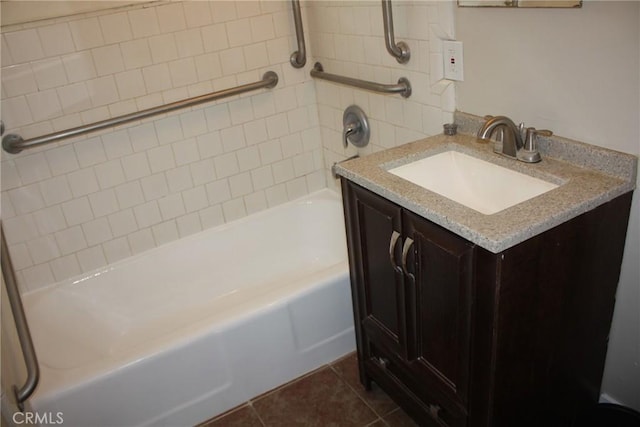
{"points": [[470, 181]]}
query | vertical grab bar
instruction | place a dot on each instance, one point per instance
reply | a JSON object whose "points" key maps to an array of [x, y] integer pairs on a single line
{"points": [[31, 361], [299, 57], [399, 50]]}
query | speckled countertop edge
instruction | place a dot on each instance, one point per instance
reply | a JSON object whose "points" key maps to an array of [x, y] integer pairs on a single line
{"points": [[583, 188]]}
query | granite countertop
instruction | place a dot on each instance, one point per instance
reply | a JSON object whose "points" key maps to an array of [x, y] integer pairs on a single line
{"points": [[588, 177]]}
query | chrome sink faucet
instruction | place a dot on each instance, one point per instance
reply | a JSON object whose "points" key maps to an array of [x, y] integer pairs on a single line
{"points": [[512, 137]]}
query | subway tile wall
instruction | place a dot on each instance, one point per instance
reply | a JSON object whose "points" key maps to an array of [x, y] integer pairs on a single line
{"points": [[348, 39], [78, 205]]}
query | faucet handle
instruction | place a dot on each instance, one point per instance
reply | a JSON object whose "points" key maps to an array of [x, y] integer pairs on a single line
{"points": [[530, 152]]}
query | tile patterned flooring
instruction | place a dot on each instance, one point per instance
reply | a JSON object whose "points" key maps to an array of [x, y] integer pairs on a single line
{"points": [[329, 396]]}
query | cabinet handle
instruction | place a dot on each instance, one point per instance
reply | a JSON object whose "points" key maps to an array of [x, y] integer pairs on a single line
{"points": [[434, 410], [405, 252], [392, 245], [383, 362]]}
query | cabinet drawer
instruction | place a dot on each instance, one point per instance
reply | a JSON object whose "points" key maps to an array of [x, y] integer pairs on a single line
{"points": [[428, 407]]}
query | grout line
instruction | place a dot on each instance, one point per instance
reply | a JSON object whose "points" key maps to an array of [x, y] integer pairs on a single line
{"points": [[255, 411]]}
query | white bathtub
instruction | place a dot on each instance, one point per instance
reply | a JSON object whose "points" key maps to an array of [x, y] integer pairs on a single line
{"points": [[191, 329]]}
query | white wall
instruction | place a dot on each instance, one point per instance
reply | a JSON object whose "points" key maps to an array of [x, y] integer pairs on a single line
{"points": [[576, 72]]}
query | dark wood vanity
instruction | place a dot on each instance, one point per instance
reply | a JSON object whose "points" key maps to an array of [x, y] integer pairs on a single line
{"points": [[461, 336]]}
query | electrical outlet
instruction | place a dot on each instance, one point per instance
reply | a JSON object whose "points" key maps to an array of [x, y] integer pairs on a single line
{"points": [[453, 63]]}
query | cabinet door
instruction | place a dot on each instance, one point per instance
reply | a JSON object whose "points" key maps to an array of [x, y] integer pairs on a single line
{"points": [[374, 234], [439, 297]]}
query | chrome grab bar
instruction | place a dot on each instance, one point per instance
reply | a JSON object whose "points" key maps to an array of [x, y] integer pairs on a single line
{"points": [[13, 143], [399, 50], [28, 351], [299, 57], [403, 87]]}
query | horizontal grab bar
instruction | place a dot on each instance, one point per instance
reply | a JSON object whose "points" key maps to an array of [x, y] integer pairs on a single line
{"points": [[403, 87], [13, 143], [26, 343]]}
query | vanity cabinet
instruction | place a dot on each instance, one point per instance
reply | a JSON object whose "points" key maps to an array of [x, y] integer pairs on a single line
{"points": [[460, 336]]}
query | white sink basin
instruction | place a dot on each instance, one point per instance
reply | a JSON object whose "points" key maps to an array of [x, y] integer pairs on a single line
{"points": [[475, 183]]}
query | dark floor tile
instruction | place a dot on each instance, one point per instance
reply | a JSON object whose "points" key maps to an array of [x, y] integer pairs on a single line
{"points": [[318, 400], [245, 416], [378, 423], [347, 368], [399, 418]]}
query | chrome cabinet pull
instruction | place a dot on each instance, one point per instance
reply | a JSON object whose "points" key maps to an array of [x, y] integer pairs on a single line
{"points": [[392, 245], [405, 253]]}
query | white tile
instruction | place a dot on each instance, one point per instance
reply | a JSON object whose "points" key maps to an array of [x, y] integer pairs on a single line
{"points": [[16, 111], [163, 48], [217, 117], [303, 164], [298, 120], [239, 32], [86, 33], [91, 258], [107, 59], [276, 195], [283, 171], [143, 137], [82, 182], [50, 220], [147, 214], [232, 61], [20, 229], [90, 152], [55, 190], [141, 241], [161, 159], [223, 11], [278, 49], [240, 185], [283, 23], [77, 211], [70, 240], [179, 179], [316, 181], [195, 199], [285, 99], [130, 84], [240, 111], [144, 22], [5, 55], [117, 144], [232, 138], [24, 46], [37, 277], [165, 232], [103, 202], [97, 231], [277, 125], [186, 152], [102, 91], [62, 160], [32, 168], [255, 132], [234, 209], [136, 54], [18, 80], [168, 129], [262, 28], [10, 178], [115, 27], [218, 191], [193, 123], [154, 186], [74, 98], [248, 158], [44, 105], [171, 17], [262, 177], [27, 198], [123, 223], [208, 66], [157, 78], [291, 145], [209, 144], [135, 166], [270, 151], [65, 267], [189, 42], [211, 216], [117, 249], [189, 224], [226, 165], [214, 38], [183, 72], [171, 206], [255, 202], [129, 195], [197, 14], [20, 257], [202, 172], [248, 8], [110, 174]]}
